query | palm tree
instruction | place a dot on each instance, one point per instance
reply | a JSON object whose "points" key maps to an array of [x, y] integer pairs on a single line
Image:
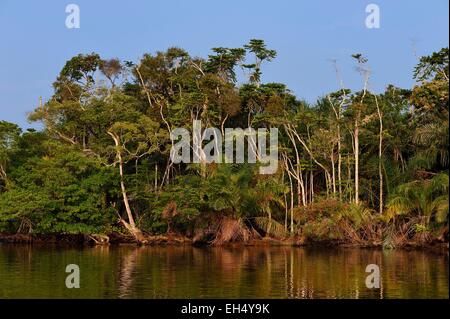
{"points": [[269, 193], [426, 200], [434, 138], [229, 189]]}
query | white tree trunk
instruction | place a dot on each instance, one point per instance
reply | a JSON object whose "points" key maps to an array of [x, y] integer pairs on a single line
{"points": [[130, 225]]}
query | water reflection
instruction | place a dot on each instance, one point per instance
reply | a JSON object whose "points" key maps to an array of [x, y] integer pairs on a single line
{"points": [[247, 272], [126, 270]]}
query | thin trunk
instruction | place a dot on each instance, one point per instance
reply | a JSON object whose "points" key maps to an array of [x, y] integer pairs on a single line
{"points": [[356, 161], [130, 225], [333, 170], [292, 206], [337, 113], [124, 192], [349, 178], [339, 164], [380, 155], [306, 191], [327, 174], [3, 173], [298, 172], [302, 184], [286, 212], [291, 188], [358, 115], [165, 177], [222, 126], [144, 87], [338, 118], [4, 176]]}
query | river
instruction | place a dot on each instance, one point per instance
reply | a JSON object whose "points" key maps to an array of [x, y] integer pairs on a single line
{"points": [[246, 272]]}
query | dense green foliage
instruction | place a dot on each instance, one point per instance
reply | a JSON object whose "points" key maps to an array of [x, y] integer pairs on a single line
{"points": [[355, 166]]}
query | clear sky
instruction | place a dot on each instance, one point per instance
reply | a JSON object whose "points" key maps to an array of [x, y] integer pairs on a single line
{"points": [[35, 42]]}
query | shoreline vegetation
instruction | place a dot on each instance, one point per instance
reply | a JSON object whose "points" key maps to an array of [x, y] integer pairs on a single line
{"points": [[90, 240], [355, 168]]}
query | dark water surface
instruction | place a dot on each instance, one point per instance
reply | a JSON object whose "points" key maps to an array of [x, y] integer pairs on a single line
{"points": [[247, 272]]}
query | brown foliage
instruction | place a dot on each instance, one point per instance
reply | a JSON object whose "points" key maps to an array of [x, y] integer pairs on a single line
{"points": [[231, 230]]}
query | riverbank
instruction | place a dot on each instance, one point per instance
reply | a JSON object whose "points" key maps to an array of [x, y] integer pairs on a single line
{"points": [[176, 240], [92, 239]]}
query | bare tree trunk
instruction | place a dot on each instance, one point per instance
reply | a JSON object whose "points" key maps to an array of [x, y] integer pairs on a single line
{"points": [[165, 178], [338, 118], [3, 173], [298, 173], [380, 155], [366, 74], [356, 137], [292, 206], [147, 93], [339, 163], [4, 176], [130, 225], [333, 170], [286, 213], [303, 186], [292, 194], [306, 191], [349, 177], [289, 130]]}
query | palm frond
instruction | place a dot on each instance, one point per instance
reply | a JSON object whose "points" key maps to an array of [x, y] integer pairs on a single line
{"points": [[271, 227]]}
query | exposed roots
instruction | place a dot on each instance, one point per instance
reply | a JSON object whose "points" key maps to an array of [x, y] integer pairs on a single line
{"points": [[135, 232], [99, 239]]}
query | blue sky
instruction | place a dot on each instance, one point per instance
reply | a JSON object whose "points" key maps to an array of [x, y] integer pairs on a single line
{"points": [[35, 42]]}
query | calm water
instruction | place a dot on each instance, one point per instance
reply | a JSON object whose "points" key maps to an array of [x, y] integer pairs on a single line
{"points": [[248, 272]]}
